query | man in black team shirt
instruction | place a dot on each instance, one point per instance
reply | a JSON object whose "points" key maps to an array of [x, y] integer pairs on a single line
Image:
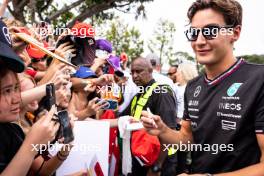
{"points": [[224, 107], [161, 101]]}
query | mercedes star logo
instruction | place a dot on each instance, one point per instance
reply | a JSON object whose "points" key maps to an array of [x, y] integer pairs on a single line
{"points": [[197, 91]]}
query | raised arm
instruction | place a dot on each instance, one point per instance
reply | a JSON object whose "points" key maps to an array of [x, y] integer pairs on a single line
{"points": [[3, 7]]}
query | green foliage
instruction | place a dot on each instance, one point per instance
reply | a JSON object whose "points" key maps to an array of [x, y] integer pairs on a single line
{"points": [[125, 39], [91, 2], [258, 59], [180, 57], [162, 41], [64, 18], [53, 8], [100, 18], [75, 10]]}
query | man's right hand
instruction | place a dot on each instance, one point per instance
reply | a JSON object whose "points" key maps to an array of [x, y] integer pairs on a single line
{"points": [[153, 123]]}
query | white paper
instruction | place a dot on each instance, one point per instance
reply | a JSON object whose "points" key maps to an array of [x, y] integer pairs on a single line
{"points": [[91, 138]]}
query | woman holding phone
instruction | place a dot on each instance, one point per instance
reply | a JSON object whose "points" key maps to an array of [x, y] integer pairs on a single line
{"points": [[16, 151]]}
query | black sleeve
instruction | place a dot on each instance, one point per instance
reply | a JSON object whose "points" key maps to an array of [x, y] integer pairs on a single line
{"points": [[164, 105], [11, 136], [259, 113], [3, 160], [126, 111], [4, 146], [185, 112]]}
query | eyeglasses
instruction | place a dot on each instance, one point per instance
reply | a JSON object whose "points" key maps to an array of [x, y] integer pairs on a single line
{"points": [[170, 73], [33, 60], [209, 32]]}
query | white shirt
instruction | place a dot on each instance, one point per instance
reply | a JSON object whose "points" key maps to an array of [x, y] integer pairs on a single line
{"points": [[180, 100], [161, 79], [129, 92]]}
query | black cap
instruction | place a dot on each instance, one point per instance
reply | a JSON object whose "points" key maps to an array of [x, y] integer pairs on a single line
{"points": [[7, 55]]}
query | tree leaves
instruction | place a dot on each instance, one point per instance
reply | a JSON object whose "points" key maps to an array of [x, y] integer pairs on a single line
{"points": [[162, 41], [125, 39], [27, 12]]}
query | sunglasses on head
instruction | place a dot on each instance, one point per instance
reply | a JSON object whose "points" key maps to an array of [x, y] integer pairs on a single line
{"points": [[170, 73], [209, 32]]}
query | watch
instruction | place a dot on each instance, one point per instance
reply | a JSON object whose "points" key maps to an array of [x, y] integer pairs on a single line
{"points": [[156, 168]]}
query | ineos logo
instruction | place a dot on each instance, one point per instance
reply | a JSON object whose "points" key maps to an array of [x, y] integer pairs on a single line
{"points": [[197, 91], [6, 34]]}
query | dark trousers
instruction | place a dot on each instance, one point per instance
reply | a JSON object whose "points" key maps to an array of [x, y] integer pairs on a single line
{"points": [[168, 167], [137, 169]]}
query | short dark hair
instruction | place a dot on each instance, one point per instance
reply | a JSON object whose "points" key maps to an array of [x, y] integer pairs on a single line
{"points": [[153, 62], [3, 72], [3, 68], [230, 9], [147, 62], [154, 59]]}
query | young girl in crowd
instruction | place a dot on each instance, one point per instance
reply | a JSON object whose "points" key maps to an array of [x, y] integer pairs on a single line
{"points": [[14, 145]]}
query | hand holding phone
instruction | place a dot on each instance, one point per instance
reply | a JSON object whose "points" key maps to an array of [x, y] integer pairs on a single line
{"points": [[48, 101], [50, 98], [110, 104], [65, 129]]}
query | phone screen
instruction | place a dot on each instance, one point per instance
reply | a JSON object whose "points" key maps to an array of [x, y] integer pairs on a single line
{"points": [[50, 96], [110, 104], [67, 132]]}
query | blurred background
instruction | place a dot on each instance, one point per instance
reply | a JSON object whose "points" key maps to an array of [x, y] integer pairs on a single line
{"points": [[139, 27]]}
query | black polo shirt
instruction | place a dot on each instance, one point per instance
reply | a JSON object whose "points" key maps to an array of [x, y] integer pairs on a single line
{"points": [[11, 138], [161, 102], [225, 114]]}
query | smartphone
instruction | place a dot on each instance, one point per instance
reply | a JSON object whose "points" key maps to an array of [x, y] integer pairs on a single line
{"points": [[47, 101], [106, 69], [50, 98], [65, 127], [110, 104]]}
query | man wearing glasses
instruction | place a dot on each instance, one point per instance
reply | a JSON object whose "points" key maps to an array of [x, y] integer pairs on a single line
{"points": [[172, 73], [223, 122]]}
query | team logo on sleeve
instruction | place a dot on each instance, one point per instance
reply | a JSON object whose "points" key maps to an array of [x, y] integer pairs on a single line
{"points": [[197, 91], [232, 90]]}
